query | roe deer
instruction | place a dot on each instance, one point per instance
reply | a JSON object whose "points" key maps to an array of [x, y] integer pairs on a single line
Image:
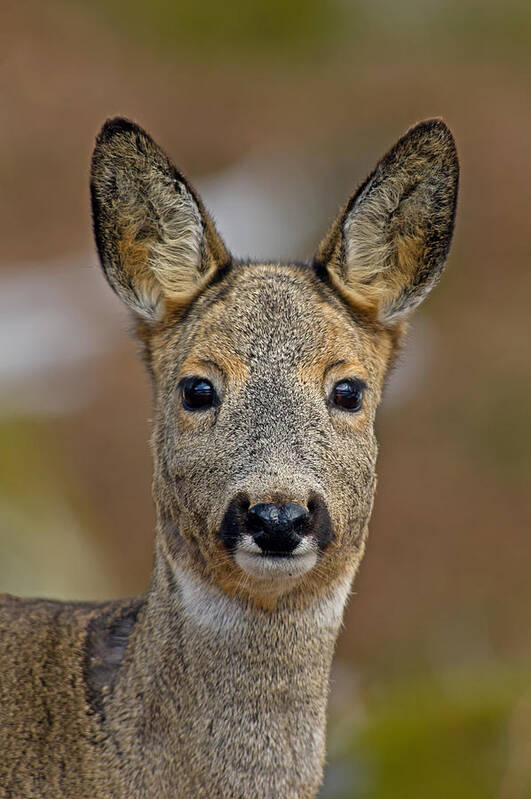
{"points": [[266, 379]]}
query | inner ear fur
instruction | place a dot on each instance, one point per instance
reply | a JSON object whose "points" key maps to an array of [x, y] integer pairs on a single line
{"points": [[388, 246], [157, 245]]}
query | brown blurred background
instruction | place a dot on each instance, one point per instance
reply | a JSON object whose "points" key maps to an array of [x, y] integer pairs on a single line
{"points": [[276, 110]]}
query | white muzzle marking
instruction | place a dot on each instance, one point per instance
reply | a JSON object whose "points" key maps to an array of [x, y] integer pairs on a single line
{"points": [[253, 561]]}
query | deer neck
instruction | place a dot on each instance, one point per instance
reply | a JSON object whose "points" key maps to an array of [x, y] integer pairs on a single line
{"points": [[235, 696]]}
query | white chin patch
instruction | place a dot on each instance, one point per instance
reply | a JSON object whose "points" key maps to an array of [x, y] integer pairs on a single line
{"points": [[250, 559]]}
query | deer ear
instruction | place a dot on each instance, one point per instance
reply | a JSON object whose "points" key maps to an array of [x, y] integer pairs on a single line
{"points": [[387, 248], [157, 245]]}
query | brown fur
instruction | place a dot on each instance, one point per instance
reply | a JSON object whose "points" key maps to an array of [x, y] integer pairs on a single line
{"points": [[215, 682]]}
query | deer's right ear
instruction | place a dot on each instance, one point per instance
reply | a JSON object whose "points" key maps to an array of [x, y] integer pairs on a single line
{"points": [[158, 247]]}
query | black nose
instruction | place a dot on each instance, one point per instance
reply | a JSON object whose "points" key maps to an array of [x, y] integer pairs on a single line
{"points": [[277, 529]]}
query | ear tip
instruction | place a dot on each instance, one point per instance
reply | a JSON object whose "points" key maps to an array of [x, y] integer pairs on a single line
{"points": [[435, 129], [121, 128], [435, 140], [122, 137], [116, 126], [433, 124]]}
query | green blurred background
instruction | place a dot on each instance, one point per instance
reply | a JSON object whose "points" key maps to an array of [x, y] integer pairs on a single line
{"points": [[276, 110]]}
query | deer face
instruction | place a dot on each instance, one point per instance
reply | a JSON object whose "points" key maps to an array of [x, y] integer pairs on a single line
{"points": [[267, 377], [264, 442]]}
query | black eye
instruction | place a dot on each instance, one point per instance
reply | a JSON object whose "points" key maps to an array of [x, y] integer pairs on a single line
{"points": [[198, 394], [348, 394]]}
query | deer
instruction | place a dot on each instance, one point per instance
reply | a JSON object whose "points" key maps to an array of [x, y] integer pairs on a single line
{"points": [[266, 378]]}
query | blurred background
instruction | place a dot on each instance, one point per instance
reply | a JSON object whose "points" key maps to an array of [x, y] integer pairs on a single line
{"points": [[276, 110]]}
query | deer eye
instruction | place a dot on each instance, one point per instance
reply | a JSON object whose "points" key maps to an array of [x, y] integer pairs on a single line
{"points": [[198, 394], [348, 394]]}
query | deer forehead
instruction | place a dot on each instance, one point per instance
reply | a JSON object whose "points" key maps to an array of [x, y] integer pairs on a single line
{"points": [[267, 322]]}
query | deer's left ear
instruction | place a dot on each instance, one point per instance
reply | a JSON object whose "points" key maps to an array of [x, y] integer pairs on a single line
{"points": [[387, 248]]}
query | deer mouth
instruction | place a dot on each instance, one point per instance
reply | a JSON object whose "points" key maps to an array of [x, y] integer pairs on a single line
{"points": [[263, 564]]}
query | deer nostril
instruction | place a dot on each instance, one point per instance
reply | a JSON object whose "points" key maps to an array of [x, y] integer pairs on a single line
{"points": [[277, 528], [295, 514]]}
